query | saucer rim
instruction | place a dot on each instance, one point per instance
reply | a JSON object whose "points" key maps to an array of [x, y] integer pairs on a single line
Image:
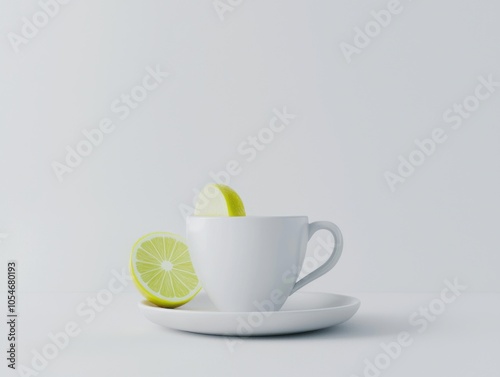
{"points": [[145, 304]]}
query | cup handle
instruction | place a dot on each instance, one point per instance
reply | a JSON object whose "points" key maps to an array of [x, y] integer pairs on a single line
{"points": [[332, 260]]}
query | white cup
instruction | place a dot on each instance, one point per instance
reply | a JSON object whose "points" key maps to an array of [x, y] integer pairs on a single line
{"points": [[251, 263]]}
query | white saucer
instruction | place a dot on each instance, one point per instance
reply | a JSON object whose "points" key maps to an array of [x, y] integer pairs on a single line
{"points": [[303, 311]]}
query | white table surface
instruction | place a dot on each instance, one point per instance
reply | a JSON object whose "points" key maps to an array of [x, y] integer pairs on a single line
{"points": [[463, 341]]}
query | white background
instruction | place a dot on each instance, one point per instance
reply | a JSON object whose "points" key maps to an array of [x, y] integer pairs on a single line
{"points": [[226, 77]]}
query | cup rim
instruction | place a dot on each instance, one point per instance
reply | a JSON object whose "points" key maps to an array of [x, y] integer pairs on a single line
{"points": [[245, 217]]}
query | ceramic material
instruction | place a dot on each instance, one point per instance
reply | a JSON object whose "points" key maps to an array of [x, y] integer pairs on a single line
{"points": [[252, 263], [304, 311]]}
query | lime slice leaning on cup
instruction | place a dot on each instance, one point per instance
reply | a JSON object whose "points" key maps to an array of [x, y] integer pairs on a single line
{"points": [[162, 271]]}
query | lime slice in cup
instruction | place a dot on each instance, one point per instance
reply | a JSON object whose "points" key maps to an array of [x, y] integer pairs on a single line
{"points": [[162, 271], [219, 200]]}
